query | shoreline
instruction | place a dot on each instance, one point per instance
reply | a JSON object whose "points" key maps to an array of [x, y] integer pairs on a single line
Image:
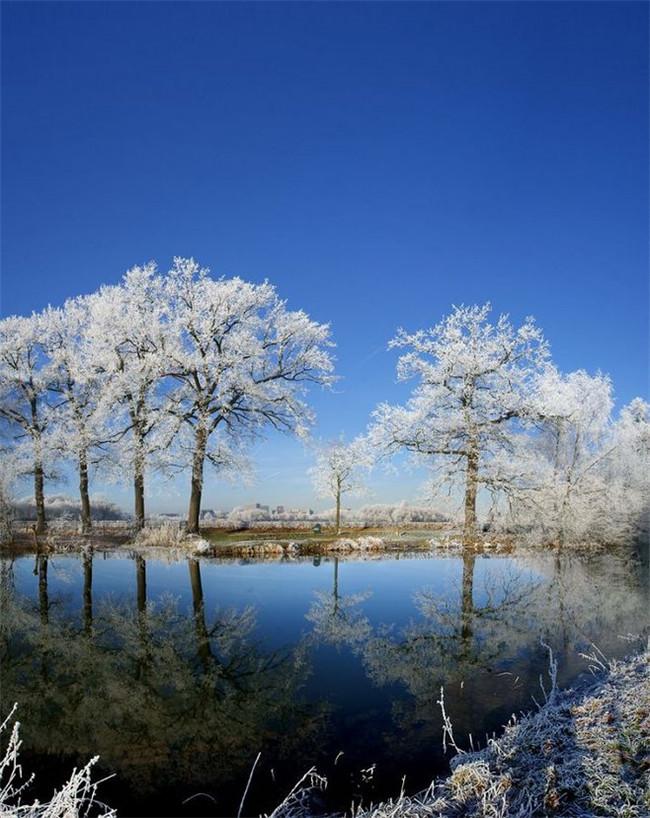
{"points": [[288, 544]]}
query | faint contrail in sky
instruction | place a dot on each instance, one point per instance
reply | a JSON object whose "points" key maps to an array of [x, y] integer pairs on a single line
{"points": [[370, 355]]}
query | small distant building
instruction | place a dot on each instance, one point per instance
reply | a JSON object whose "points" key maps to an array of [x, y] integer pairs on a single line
{"points": [[256, 507]]}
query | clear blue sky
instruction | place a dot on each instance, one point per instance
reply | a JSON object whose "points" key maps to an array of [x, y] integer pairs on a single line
{"points": [[378, 162]]}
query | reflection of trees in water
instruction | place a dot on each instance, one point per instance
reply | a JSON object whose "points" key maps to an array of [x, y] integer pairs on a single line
{"points": [[479, 640], [593, 597], [187, 697], [455, 641], [336, 619], [163, 697]]}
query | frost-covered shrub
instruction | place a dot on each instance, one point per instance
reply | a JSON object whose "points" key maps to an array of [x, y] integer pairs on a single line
{"points": [[167, 534]]}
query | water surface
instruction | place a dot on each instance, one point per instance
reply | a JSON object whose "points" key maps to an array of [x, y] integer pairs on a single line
{"points": [[178, 672]]}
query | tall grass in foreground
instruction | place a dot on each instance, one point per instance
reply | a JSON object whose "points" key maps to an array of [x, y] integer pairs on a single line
{"points": [[77, 797]]}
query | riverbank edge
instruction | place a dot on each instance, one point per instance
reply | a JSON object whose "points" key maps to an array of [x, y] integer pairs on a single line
{"points": [[585, 753], [268, 545]]}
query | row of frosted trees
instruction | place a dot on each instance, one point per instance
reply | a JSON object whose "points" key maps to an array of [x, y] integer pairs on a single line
{"points": [[178, 371], [164, 372], [492, 418]]}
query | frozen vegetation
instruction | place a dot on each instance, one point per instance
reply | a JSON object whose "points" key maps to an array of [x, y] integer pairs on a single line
{"points": [[75, 798]]}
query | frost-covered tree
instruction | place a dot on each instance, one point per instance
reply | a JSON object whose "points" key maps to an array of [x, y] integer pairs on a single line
{"points": [[81, 428], [24, 383], [580, 475], [472, 397], [9, 474], [240, 361], [626, 470], [127, 334], [574, 411], [339, 470]]}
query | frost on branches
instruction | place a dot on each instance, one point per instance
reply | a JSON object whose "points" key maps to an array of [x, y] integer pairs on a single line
{"points": [[77, 382], [128, 337], [24, 382], [239, 362], [471, 401], [158, 373], [180, 371], [339, 470], [490, 413]]}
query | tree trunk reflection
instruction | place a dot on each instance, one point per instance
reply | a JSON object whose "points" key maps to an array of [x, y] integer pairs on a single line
{"points": [[88, 592], [202, 636]]}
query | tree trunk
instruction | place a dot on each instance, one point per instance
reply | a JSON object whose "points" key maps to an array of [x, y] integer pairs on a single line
{"points": [[138, 493], [194, 510], [39, 493], [138, 463], [86, 518], [338, 510], [39, 498], [141, 583], [471, 487], [88, 593], [566, 500]]}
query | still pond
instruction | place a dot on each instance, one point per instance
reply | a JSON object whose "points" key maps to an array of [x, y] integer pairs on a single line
{"points": [[178, 672]]}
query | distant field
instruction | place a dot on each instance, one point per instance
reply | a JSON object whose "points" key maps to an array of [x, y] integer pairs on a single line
{"points": [[225, 537]]}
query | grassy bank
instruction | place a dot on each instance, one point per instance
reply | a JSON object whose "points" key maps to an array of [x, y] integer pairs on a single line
{"points": [[272, 542]]}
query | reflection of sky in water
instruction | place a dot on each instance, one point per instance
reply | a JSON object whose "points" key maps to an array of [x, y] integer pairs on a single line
{"points": [[381, 635], [280, 592]]}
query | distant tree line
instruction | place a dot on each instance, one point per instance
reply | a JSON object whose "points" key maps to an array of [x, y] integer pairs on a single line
{"points": [[375, 514], [179, 371], [62, 507]]}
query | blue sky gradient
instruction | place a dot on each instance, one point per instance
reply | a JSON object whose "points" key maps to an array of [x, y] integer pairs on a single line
{"points": [[378, 162]]}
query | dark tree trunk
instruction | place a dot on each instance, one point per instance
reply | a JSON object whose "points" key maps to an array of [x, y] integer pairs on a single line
{"points": [[194, 511], [141, 583], [471, 488], [138, 462], [39, 492], [88, 593], [86, 517], [202, 637], [138, 493], [39, 498], [338, 511]]}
